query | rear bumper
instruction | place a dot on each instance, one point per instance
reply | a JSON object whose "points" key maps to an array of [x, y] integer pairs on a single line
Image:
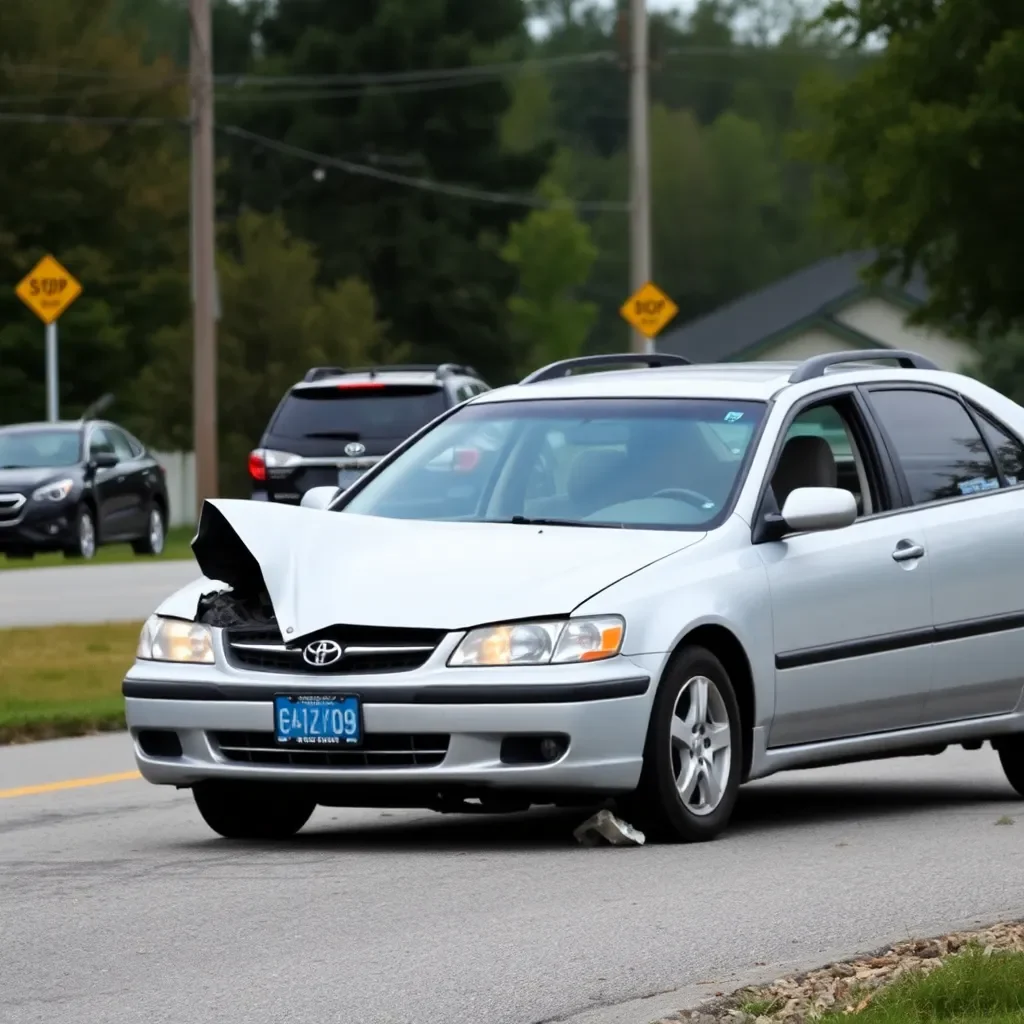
{"points": [[604, 720]]}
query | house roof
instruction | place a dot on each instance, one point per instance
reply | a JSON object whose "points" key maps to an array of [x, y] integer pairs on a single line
{"points": [[806, 295]]}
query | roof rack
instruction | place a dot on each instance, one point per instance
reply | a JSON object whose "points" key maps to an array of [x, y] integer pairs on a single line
{"points": [[440, 369], [816, 366], [649, 360]]}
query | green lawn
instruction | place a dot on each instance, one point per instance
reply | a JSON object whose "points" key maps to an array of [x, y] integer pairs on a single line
{"points": [[969, 989], [64, 680], [177, 546]]}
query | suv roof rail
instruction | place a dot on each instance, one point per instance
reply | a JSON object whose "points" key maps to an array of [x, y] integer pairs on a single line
{"points": [[649, 360], [319, 372], [817, 365]]}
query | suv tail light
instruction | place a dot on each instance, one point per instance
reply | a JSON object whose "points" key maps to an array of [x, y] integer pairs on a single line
{"points": [[263, 459], [257, 466]]}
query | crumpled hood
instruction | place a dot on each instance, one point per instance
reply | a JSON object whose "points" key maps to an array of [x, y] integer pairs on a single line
{"points": [[320, 568]]}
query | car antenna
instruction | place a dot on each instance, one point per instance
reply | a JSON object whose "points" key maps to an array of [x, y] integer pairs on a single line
{"points": [[92, 411]]}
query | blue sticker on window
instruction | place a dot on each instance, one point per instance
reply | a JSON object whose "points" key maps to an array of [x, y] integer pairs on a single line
{"points": [[733, 417]]}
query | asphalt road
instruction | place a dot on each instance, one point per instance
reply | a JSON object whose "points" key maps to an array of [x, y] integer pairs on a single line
{"points": [[118, 905], [119, 592]]}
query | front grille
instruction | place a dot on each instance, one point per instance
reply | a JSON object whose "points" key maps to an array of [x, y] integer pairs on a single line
{"points": [[11, 506], [379, 750], [365, 649]]}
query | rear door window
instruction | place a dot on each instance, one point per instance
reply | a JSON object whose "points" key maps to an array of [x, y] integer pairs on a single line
{"points": [[938, 447], [357, 412]]}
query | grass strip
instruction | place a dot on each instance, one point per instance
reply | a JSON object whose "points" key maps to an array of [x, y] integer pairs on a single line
{"points": [[63, 680], [177, 545], [975, 987]]}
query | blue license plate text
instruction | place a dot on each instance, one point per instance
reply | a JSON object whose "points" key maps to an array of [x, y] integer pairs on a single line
{"points": [[318, 721]]}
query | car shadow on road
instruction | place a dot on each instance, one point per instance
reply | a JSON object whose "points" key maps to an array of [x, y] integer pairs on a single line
{"points": [[789, 803], [776, 806]]}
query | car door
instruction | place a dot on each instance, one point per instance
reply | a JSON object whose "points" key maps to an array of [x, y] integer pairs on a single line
{"points": [[132, 480], [960, 472], [112, 502], [851, 608]]}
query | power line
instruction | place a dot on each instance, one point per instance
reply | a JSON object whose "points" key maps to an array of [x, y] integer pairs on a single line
{"points": [[142, 122], [424, 184]]}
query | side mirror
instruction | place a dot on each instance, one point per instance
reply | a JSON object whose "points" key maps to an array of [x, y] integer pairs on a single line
{"points": [[104, 460], [819, 508], [318, 497]]}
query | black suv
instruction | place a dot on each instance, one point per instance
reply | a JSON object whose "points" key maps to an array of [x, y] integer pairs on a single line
{"points": [[71, 486], [336, 423]]}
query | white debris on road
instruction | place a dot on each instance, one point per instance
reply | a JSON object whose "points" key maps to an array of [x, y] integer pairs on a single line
{"points": [[604, 827]]}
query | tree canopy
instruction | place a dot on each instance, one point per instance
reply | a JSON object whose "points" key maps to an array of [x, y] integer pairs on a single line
{"points": [[922, 150]]}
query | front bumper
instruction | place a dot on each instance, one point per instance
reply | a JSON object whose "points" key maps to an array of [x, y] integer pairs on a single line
{"points": [[39, 526], [463, 715]]}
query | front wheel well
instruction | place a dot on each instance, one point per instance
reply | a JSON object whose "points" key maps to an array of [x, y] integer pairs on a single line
{"points": [[724, 645]]}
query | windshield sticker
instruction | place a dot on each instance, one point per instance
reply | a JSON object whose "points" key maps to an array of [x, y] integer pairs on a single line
{"points": [[733, 417]]}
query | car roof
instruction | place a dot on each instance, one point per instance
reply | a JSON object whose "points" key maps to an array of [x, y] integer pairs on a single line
{"points": [[753, 381]]}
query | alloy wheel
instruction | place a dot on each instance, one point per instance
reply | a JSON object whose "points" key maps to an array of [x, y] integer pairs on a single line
{"points": [[701, 745]]}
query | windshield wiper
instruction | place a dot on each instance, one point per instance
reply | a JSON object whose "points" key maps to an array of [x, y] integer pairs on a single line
{"points": [[541, 521]]}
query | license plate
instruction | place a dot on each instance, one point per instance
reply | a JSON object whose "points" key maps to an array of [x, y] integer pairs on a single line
{"points": [[317, 721], [347, 477]]}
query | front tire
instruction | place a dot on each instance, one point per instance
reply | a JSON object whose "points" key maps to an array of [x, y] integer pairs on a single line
{"points": [[252, 810], [1011, 757], [156, 533], [85, 540], [694, 753]]}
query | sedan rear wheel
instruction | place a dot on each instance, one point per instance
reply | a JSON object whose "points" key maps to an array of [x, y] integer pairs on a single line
{"points": [[693, 755], [252, 810]]}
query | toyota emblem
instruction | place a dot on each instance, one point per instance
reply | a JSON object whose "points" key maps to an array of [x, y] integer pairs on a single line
{"points": [[354, 448], [321, 653]]}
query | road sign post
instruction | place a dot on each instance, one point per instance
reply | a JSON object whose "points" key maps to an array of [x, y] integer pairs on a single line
{"points": [[48, 289], [648, 310]]}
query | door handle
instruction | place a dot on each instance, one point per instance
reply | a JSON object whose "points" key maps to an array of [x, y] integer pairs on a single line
{"points": [[907, 550]]}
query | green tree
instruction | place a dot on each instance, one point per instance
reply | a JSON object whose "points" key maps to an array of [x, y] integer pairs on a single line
{"points": [[432, 259], [110, 201], [552, 253], [921, 151], [277, 322]]}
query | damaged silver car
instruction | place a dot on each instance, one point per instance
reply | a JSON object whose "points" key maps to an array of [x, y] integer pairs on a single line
{"points": [[649, 585]]}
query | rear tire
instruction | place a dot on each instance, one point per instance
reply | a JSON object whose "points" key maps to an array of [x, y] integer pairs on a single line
{"points": [[1011, 757], [86, 541], [693, 757], [252, 810], [156, 533]]}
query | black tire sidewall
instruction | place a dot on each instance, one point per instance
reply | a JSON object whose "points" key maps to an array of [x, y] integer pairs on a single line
{"points": [[662, 808], [144, 546], [1011, 757], [248, 810]]}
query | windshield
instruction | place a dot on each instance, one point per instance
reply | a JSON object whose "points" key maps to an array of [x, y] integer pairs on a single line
{"points": [[354, 413], [39, 449], [669, 463]]}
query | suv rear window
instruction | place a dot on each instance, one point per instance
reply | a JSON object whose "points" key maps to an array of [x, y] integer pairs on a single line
{"points": [[358, 411]]}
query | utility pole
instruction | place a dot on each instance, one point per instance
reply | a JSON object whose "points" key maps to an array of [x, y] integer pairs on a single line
{"points": [[204, 328], [639, 162]]}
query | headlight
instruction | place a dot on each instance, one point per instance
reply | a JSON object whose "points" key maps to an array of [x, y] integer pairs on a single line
{"points": [[560, 642], [175, 640], [57, 491]]}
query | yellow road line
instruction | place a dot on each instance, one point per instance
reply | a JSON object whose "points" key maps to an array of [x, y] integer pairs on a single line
{"points": [[53, 787]]}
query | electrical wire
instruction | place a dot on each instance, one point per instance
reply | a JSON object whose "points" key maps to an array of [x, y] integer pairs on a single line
{"points": [[423, 184]]}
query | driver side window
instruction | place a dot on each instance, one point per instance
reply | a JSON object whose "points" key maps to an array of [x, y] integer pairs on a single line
{"points": [[821, 450], [101, 443]]}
